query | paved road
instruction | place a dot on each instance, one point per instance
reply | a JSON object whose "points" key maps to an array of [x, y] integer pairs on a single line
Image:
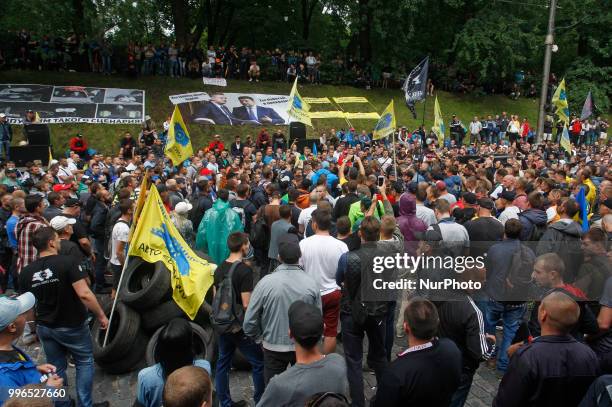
{"points": [[120, 390]]}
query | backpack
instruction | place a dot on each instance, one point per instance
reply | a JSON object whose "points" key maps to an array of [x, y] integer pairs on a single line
{"points": [[227, 315], [536, 232], [518, 278], [260, 233]]}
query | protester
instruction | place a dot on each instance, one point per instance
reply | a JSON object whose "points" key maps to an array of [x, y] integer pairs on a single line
{"points": [[189, 386]]}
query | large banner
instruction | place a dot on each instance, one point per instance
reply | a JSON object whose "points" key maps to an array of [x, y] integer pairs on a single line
{"points": [[72, 104], [232, 108]]}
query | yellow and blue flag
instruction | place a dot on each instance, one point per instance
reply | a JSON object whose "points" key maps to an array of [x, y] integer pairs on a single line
{"points": [[559, 99], [584, 210], [565, 140], [297, 107], [156, 239], [386, 123], [439, 128], [178, 145]]}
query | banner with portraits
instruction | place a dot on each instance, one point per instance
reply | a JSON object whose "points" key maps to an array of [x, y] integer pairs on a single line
{"points": [[72, 104], [233, 109]]}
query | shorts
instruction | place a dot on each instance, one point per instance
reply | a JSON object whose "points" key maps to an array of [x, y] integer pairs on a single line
{"points": [[116, 269], [331, 312]]}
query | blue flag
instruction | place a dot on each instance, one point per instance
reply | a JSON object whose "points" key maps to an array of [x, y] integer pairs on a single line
{"points": [[314, 149], [584, 210]]}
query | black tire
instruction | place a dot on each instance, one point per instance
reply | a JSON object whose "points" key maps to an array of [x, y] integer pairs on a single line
{"points": [[160, 315], [123, 333], [203, 344], [144, 284], [132, 359]]}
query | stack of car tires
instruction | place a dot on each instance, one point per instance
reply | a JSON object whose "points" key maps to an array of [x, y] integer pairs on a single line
{"points": [[144, 307]]}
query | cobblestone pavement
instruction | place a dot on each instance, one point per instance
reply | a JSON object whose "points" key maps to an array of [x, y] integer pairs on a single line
{"points": [[120, 390]]}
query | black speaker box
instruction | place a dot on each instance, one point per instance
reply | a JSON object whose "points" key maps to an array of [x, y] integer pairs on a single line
{"points": [[37, 134], [22, 154], [297, 131]]}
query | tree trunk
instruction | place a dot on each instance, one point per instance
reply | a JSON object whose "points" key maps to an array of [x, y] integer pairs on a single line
{"points": [[365, 22], [308, 7], [78, 23], [228, 24], [179, 17]]}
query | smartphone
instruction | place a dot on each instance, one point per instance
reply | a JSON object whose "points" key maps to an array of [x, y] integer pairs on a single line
{"points": [[381, 180]]}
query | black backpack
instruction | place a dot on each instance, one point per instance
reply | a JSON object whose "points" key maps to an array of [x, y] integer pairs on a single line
{"points": [[227, 315], [518, 278], [260, 232]]}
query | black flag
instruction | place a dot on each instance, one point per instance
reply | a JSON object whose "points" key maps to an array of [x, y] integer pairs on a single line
{"points": [[415, 86]]}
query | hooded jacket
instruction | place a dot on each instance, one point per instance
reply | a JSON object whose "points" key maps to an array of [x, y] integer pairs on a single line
{"points": [[563, 238], [217, 224], [408, 221], [531, 218]]}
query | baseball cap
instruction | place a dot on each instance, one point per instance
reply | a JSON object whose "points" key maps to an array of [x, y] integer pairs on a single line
{"points": [[305, 321], [2, 115], [289, 249], [12, 307], [183, 207], [470, 198], [60, 222], [507, 195], [441, 185], [61, 187], [72, 202]]}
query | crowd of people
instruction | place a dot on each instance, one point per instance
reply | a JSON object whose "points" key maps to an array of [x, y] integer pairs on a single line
{"points": [[296, 234]]}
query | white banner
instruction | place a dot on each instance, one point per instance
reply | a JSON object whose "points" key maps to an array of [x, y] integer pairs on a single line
{"points": [[72, 104], [214, 81], [233, 108]]}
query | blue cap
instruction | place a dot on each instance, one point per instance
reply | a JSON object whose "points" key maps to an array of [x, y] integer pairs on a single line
{"points": [[12, 307]]}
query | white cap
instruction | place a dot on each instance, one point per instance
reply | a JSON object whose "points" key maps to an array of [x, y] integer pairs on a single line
{"points": [[183, 207], [12, 307], [60, 222], [2, 115], [130, 167]]}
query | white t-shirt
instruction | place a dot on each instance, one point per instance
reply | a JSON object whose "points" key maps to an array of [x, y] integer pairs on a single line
{"points": [[305, 215], [120, 233], [320, 255]]}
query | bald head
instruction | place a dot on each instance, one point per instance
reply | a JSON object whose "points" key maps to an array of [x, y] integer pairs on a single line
{"points": [[189, 386], [314, 197], [558, 313]]}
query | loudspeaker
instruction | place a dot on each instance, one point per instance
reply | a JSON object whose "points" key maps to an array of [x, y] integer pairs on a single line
{"points": [[37, 134], [22, 154], [297, 131]]}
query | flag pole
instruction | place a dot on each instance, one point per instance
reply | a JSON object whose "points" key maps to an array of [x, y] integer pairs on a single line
{"points": [[394, 157], [138, 210]]}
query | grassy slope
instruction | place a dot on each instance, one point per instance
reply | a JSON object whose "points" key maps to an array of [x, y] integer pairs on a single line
{"points": [[105, 137]]}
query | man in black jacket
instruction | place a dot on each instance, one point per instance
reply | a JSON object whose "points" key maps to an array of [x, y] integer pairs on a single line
{"points": [[360, 315], [201, 203], [555, 369], [97, 230], [344, 203], [428, 372]]}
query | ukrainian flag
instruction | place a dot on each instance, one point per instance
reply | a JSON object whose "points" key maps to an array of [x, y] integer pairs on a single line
{"points": [[584, 210], [386, 123], [439, 128], [559, 99], [565, 140], [297, 107], [156, 239], [178, 145]]}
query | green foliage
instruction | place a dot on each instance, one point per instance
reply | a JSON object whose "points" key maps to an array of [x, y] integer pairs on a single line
{"points": [[580, 79]]}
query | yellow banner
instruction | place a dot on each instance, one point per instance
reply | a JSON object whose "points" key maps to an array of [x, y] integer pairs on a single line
{"points": [[156, 239], [297, 107], [313, 101], [351, 99], [332, 114], [368, 115]]}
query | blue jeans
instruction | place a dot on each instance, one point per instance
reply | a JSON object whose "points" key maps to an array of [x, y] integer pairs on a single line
{"points": [[58, 343], [511, 316], [463, 391], [100, 264], [251, 351], [174, 68], [5, 147]]}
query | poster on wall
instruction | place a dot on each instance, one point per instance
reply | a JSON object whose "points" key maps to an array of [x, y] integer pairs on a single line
{"points": [[72, 104], [233, 109]]}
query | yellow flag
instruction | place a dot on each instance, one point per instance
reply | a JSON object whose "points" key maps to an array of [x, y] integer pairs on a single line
{"points": [[297, 107], [142, 196], [559, 99], [565, 140], [386, 123], [50, 157], [156, 239], [438, 126], [178, 145]]}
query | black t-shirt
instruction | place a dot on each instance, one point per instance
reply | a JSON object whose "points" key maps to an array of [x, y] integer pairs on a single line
{"points": [[352, 241], [11, 356], [72, 249], [242, 278], [50, 279], [128, 145], [483, 232]]}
